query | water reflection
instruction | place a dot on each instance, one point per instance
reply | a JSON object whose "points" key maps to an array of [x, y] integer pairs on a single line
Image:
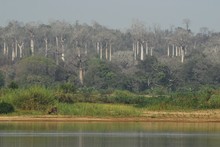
{"points": [[109, 134]]}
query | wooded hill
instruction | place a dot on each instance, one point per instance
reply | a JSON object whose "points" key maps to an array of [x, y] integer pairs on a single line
{"points": [[138, 59]]}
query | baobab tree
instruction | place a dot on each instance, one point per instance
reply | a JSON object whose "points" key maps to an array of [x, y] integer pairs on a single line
{"points": [[138, 31], [187, 22]]}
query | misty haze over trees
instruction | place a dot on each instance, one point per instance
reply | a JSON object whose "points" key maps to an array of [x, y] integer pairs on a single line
{"points": [[139, 59]]}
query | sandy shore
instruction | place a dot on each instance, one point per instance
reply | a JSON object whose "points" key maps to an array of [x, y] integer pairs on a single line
{"points": [[147, 116]]}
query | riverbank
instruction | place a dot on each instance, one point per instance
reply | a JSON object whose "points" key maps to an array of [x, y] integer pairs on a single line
{"points": [[147, 116]]}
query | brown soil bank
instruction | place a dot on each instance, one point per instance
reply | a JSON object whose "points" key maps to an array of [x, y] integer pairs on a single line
{"points": [[148, 116]]}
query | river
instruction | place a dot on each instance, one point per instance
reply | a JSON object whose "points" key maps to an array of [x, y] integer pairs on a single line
{"points": [[120, 134]]}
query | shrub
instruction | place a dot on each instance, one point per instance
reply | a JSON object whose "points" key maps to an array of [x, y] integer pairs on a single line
{"points": [[34, 98], [214, 102], [2, 79], [67, 88], [6, 108], [13, 85], [124, 97], [65, 97]]}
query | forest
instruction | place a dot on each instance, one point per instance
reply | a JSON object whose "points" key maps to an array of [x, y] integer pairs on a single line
{"points": [[81, 59]]}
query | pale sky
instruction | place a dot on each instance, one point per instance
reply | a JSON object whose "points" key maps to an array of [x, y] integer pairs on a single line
{"points": [[116, 14]]}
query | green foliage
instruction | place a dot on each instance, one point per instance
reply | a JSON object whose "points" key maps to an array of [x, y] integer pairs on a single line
{"points": [[102, 75], [67, 88], [124, 97], [2, 79], [33, 98], [98, 110], [13, 85], [35, 70], [152, 74], [6, 108], [214, 102]]}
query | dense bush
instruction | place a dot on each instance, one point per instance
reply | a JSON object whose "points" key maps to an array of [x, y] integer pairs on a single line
{"points": [[13, 85], [214, 101], [6, 108], [67, 88], [34, 98], [65, 97], [124, 97], [2, 80]]}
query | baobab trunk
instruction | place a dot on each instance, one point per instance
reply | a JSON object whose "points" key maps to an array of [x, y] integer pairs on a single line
{"points": [[101, 52], [168, 51], [173, 51], [20, 46], [81, 74], [13, 53], [110, 52], [106, 52], [182, 54], [62, 48], [137, 47], [142, 52], [32, 46], [147, 52], [5, 49], [176, 51], [46, 47], [97, 47], [151, 51]]}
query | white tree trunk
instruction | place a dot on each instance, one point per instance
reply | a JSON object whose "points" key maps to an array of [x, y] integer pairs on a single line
{"points": [[133, 46], [98, 47], [63, 57], [110, 52], [101, 52], [81, 75], [106, 52], [176, 51], [142, 52], [151, 51], [32, 46], [13, 53], [137, 47], [20, 46], [147, 49], [5, 49], [46, 47], [168, 51], [62, 48], [173, 51], [182, 54]]}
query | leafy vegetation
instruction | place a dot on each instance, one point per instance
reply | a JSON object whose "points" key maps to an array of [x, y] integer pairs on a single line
{"points": [[6, 108], [32, 98], [79, 68], [90, 102]]}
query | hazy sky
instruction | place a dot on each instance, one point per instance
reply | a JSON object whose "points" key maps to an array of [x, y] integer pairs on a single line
{"points": [[115, 13]]}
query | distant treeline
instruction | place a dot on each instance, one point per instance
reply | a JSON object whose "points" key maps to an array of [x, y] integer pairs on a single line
{"points": [[140, 59]]}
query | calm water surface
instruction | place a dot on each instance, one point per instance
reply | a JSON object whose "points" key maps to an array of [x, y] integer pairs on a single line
{"points": [[149, 134]]}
